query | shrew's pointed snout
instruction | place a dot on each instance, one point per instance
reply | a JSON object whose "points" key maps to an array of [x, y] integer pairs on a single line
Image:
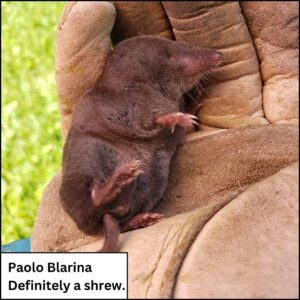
{"points": [[198, 60]]}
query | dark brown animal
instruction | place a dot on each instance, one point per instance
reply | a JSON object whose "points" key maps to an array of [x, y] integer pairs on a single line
{"points": [[124, 133]]}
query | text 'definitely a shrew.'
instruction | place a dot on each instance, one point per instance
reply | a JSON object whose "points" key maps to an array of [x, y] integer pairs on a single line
{"points": [[64, 276]]}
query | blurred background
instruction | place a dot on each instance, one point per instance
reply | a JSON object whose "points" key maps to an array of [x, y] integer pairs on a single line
{"points": [[31, 137]]}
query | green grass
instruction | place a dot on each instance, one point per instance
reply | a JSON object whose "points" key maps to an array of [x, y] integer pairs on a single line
{"points": [[31, 136]]}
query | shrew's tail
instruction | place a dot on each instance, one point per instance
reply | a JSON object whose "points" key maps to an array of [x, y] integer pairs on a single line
{"points": [[111, 230]]}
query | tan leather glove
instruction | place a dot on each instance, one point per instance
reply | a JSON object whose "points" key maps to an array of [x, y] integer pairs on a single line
{"points": [[232, 219]]}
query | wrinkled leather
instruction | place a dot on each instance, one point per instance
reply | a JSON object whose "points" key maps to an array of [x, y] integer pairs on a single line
{"points": [[276, 40], [140, 18], [81, 51], [248, 249], [237, 99], [231, 202]]}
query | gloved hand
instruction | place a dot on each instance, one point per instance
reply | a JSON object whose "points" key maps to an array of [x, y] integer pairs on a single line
{"points": [[231, 230]]}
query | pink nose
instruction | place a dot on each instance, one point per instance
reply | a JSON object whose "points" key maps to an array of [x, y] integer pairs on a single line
{"points": [[219, 55], [216, 58]]}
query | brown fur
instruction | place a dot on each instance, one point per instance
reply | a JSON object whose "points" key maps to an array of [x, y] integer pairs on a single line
{"points": [[114, 125]]}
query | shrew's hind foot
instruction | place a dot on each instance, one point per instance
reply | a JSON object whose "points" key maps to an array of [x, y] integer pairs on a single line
{"points": [[141, 220], [104, 193]]}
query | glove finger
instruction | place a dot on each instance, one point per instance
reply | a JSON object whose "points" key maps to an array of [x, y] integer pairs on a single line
{"points": [[236, 100], [82, 46], [274, 27], [139, 18]]}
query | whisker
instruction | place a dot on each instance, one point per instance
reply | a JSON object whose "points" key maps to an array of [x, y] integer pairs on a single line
{"points": [[216, 74], [202, 87], [190, 96], [187, 98]]}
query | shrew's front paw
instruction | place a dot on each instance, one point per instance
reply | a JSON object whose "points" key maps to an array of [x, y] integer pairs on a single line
{"points": [[178, 118]]}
